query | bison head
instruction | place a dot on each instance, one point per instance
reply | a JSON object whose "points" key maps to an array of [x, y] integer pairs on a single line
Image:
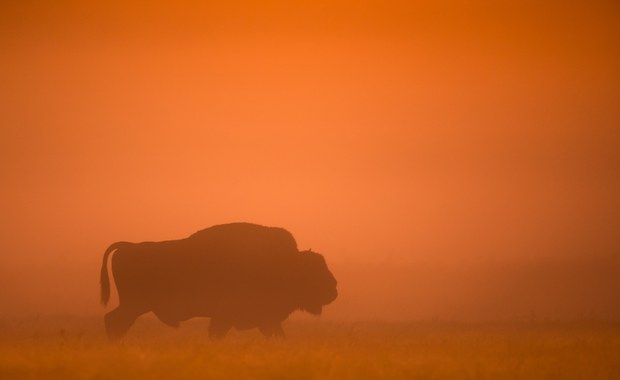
{"points": [[317, 284]]}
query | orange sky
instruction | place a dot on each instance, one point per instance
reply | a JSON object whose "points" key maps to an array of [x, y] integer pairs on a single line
{"points": [[391, 132]]}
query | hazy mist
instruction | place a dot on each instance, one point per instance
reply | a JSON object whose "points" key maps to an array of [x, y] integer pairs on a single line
{"points": [[448, 161]]}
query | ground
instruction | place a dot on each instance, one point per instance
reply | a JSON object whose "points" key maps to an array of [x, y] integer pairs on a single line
{"points": [[76, 348]]}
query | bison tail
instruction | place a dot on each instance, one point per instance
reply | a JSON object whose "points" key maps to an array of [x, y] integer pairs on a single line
{"points": [[105, 280]]}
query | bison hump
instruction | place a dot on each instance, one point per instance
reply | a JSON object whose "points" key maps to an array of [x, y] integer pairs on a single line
{"points": [[246, 239]]}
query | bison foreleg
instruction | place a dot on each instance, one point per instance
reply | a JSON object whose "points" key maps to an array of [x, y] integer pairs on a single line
{"points": [[218, 328], [272, 330]]}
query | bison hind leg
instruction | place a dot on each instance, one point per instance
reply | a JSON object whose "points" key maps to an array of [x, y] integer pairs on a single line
{"points": [[218, 328], [167, 318], [118, 321]]}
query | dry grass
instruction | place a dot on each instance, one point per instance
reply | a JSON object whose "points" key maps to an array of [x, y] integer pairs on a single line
{"points": [[73, 348]]}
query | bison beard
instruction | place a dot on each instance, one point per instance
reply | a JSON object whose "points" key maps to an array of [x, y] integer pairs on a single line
{"points": [[240, 275]]}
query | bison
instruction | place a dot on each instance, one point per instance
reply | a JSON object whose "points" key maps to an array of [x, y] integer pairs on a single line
{"points": [[240, 275]]}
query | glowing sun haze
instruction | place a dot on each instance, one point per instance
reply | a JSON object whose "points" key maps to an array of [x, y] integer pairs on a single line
{"points": [[376, 132]]}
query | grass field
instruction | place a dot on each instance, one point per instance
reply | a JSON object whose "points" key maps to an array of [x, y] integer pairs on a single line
{"points": [[75, 348]]}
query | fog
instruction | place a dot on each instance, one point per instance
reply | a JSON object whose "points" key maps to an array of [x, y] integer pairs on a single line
{"points": [[449, 161]]}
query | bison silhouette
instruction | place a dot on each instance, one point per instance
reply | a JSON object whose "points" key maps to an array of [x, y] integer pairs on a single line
{"points": [[240, 275]]}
